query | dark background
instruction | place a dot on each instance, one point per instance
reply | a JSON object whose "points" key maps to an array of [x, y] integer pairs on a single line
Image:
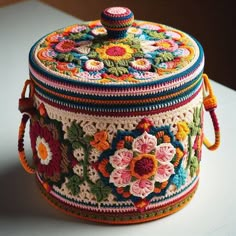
{"points": [[209, 21]]}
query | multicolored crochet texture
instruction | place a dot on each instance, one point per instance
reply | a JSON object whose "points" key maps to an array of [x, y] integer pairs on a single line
{"points": [[116, 118]]}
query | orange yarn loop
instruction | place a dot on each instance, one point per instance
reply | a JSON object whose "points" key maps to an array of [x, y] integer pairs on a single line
{"points": [[210, 104], [210, 101]]}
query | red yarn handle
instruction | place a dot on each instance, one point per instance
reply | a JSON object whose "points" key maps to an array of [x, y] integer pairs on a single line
{"points": [[21, 151], [210, 103], [27, 108]]}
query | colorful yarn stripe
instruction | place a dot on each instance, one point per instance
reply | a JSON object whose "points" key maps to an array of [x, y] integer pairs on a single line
{"points": [[175, 94], [156, 110], [128, 217]]}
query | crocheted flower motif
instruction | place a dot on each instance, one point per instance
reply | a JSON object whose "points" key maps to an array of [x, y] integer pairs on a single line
{"points": [[93, 65], [100, 141], [134, 30], [141, 162], [173, 34], [146, 168], [166, 44], [183, 130], [65, 46], [49, 152], [67, 67], [115, 52], [99, 31], [47, 54], [75, 28], [141, 64], [55, 37]]}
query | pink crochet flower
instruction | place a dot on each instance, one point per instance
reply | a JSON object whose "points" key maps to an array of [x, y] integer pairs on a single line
{"points": [[142, 166], [93, 65], [141, 64], [65, 46], [166, 44]]}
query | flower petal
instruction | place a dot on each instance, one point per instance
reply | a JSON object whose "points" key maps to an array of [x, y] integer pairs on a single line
{"points": [[120, 178], [165, 152], [144, 143], [121, 158], [164, 171], [82, 49], [142, 188]]}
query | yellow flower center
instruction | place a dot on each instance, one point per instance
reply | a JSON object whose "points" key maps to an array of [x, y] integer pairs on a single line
{"points": [[164, 44], [141, 62], [95, 63]]}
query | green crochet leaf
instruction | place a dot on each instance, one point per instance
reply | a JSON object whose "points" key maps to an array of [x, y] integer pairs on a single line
{"points": [[109, 63], [49, 63], [197, 116], [156, 35], [96, 45], [195, 126], [193, 165], [138, 54], [118, 71], [88, 139], [92, 54], [100, 190], [124, 63], [75, 132], [164, 57], [73, 184], [76, 36], [68, 57]]}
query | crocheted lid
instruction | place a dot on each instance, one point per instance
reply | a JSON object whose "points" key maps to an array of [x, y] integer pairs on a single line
{"points": [[115, 50], [114, 57]]}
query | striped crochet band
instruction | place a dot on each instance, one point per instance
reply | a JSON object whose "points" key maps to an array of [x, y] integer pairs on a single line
{"points": [[162, 209], [132, 111]]}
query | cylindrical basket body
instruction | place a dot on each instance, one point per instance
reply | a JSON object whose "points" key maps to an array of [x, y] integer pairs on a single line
{"points": [[116, 127]]}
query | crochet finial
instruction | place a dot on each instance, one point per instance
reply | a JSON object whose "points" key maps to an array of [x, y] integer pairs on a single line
{"points": [[117, 20]]}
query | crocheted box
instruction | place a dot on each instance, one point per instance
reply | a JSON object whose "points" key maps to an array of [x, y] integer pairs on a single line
{"points": [[116, 118]]}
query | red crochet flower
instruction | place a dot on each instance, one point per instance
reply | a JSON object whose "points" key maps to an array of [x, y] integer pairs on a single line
{"points": [[50, 155]]}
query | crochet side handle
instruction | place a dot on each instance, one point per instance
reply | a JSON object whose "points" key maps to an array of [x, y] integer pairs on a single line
{"points": [[26, 107], [210, 104]]}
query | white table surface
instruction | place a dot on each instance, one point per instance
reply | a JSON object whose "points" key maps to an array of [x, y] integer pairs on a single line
{"points": [[22, 209]]}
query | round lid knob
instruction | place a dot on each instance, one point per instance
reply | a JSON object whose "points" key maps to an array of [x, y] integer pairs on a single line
{"points": [[117, 20]]}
